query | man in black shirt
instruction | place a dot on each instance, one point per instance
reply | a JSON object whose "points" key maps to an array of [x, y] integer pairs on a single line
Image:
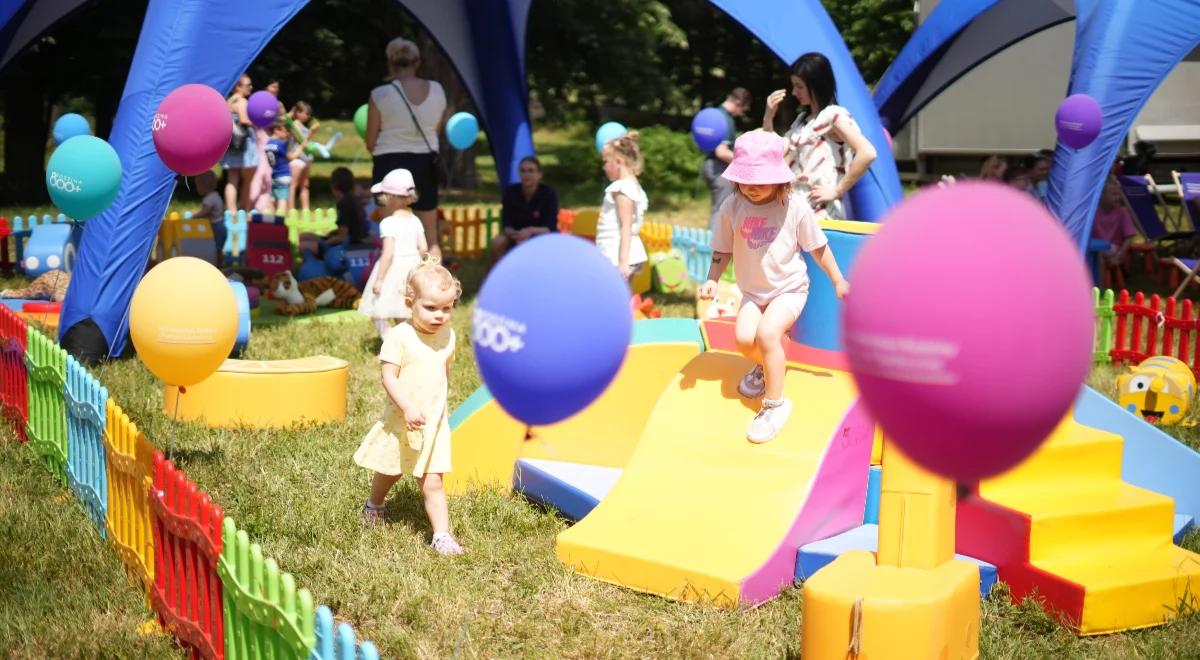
{"points": [[528, 209]]}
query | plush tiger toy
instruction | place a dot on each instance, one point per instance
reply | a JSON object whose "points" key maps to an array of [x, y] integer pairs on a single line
{"points": [[51, 285], [294, 298]]}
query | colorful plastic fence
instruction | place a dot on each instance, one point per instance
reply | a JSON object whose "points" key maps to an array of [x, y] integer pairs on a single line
{"points": [[46, 366], [187, 543], [1102, 341], [468, 231], [1144, 327], [87, 463], [339, 646], [167, 532], [265, 616], [14, 389], [130, 523]]}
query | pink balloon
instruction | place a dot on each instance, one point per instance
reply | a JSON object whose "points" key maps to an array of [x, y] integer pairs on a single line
{"points": [[968, 355], [192, 129]]}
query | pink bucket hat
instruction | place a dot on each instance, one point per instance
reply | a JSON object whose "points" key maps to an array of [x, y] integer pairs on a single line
{"points": [[758, 160]]}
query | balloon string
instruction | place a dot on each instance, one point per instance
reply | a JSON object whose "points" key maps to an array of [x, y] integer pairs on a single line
{"points": [[179, 392]]}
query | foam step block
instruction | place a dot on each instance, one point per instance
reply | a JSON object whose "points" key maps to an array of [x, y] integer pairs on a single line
{"points": [[574, 489], [818, 554]]}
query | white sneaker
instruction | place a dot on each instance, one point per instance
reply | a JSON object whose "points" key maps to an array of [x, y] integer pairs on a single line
{"points": [[769, 421], [444, 544], [753, 384]]}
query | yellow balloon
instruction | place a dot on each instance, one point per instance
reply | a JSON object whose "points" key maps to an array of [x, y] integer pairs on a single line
{"points": [[183, 320]]}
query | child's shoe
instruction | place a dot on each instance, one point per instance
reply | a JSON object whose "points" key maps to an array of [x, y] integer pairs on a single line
{"points": [[769, 420], [444, 544], [371, 516], [753, 384]]}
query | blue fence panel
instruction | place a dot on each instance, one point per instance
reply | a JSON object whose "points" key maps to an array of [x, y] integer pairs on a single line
{"points": [[340, 646], [87, 401], [235, 226]]}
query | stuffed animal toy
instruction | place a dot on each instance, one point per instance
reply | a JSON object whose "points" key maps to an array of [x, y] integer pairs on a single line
{"points": [[50, 285], [723, 305], [305, 297], [1158, 390]]}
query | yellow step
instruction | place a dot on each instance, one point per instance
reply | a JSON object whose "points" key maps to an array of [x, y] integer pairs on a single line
{"points": [[1129, 587], [1085, 515], [1072, 451]]}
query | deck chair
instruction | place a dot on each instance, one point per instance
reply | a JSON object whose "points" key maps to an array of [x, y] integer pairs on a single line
{"points": [[1188, 184], [1172, 215]]}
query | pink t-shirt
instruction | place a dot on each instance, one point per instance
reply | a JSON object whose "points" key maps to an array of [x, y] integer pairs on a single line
{"points": [[765, 240], [1113, 226]]}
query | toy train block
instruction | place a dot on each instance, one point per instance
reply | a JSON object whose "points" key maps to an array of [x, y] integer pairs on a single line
{"points": [[267, 248], [194, 238], [51, 246]]}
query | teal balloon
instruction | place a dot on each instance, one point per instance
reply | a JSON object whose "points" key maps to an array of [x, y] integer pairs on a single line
{"points": [[83, 176], [462, 129], [360, 121], [70, 125], [607, 133]]}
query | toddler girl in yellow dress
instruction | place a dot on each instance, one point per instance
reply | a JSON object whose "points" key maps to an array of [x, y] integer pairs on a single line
{"points": [[414, 435]]}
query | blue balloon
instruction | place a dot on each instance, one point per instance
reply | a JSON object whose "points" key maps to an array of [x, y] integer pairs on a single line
{"points": [[462, 129], [83, 176], [544, 350], [70, 125], [607, 133], [708, 129]]}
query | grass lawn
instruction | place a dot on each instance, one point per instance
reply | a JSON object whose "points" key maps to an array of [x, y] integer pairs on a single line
{"points": [[298, 494]]}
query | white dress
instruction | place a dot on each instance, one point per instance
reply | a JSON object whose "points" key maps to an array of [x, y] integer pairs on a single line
{"points": [[608, 226], [817, 158], [405, 230]]}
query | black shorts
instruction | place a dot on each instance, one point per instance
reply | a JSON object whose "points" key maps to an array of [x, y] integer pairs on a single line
{"points": [[421, 167]]}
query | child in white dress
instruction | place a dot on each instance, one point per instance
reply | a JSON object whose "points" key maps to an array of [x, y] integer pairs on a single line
{"points": [[404, 246], [624, 205], [413, 435]]}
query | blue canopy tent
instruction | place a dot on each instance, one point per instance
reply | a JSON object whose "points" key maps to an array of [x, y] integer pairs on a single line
{"points": [[958, 36], [484, 40], [1114, 65], [24, 21]]}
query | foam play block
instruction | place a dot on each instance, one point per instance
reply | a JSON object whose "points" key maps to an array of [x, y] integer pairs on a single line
{"points": [[573, 489], [266, 393], [819, 554], [856, 608]]}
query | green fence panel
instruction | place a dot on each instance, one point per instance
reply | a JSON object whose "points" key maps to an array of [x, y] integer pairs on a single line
{"points": [[46, 429]]}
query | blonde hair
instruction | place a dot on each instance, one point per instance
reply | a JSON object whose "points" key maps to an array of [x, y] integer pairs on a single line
{"points": [[626, 147], [780, 194], [430, 273], [402, 53], [408, 199]]}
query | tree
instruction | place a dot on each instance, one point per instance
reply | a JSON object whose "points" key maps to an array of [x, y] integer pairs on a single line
{"points": [[874, 31]]}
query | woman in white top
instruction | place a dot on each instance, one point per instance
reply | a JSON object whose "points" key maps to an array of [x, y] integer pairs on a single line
{"points": [[826, 150], [404, 118], [624, 206]]}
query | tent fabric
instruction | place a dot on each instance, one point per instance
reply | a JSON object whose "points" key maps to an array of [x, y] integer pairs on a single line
{"points": [[958, 36], [1112, 65], [23, 22], [778, 25], [177, 45]]}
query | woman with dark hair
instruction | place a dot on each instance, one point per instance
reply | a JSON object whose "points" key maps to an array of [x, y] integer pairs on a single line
{"points": [[404, 118], [528, 208], [826, 149]]}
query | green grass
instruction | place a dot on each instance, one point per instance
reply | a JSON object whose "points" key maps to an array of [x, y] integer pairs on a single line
{"points": [[298, 493], [63, 593]]}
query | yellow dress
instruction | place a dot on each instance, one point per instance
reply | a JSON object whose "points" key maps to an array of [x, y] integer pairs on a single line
{"points": [[389, 447]]}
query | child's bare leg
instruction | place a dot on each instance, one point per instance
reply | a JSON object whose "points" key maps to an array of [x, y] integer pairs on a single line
{"points": [[381, 484], [435, 503], [779, 317], [745, 330]]}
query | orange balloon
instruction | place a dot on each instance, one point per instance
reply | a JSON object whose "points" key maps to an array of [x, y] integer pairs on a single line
{"points": [[183, 320]]}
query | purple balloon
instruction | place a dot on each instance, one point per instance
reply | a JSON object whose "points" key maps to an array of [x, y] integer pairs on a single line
{"points": [[262, 108], [708, 129], [1078, 120]]}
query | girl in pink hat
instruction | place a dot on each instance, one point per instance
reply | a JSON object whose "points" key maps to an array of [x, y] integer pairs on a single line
{"points": [[764, 226]]}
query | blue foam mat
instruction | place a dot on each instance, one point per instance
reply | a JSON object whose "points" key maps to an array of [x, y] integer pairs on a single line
{"points": [[574, 489], [818, 554]]}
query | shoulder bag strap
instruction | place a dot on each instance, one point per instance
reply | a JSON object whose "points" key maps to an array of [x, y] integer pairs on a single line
{"points": [[414, 115]]}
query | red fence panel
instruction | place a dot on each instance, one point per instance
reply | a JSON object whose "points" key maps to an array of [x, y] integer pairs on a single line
{"points": [[1148, 328], [14, 382], [187, 544]]}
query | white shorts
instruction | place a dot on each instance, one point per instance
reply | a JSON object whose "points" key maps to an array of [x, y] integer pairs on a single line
{"points": [[793, 302]]}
